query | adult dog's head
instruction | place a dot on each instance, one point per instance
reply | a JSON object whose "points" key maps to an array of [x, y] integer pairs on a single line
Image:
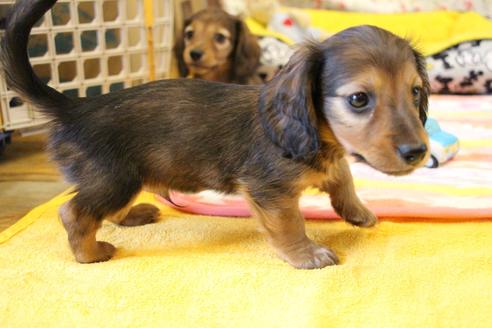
{"points": [[364, 88], [216, 46]]}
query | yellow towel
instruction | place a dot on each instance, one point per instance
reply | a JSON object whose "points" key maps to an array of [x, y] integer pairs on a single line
{"points": [[432, 32], [191, 271]]}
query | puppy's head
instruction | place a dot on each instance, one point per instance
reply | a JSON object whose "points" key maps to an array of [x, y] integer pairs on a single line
{"points": [[217, 46], [363, 88]]}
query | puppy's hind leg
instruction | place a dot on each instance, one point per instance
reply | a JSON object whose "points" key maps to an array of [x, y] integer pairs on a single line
{"points": [[140, 214], [283, 224], [82, 217], [81, 229], [137, 215]]}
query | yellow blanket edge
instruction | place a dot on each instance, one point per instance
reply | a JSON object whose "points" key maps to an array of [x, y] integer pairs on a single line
{"points": [[31, 217]]}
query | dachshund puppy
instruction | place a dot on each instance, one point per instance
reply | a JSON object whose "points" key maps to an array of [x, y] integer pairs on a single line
{"points": [[363, 92], [216, 46]]}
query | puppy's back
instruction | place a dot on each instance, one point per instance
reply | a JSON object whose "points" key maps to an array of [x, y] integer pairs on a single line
{"points": [[163, 126]]}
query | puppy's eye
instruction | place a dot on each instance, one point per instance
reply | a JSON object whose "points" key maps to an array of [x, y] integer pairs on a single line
{"points": [[188, 35], [358, 100], [416, 91], [219, 38]]}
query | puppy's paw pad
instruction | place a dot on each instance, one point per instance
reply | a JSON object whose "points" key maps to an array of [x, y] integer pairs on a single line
{"points": [[311, 256], [102, 252], [141, 214], [363, 218]]}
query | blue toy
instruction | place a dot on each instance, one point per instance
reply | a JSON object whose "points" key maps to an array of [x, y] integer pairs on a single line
{"points": [[443, 145]]}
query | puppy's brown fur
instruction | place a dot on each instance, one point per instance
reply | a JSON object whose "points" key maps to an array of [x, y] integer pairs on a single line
{"points": [[269, 142], [216, 46]]}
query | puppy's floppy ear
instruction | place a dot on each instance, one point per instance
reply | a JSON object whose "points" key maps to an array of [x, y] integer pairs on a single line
{"points": [[424, 96], [246, 53], [288, 104], [179, 48]]}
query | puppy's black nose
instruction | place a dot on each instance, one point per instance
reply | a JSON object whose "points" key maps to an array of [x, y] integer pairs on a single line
{"points": [[196, 54], [412, 154], [263, 76]]}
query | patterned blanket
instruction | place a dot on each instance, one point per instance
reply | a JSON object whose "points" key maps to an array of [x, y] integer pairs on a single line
{"points": [[484, 7], [460, 190]]}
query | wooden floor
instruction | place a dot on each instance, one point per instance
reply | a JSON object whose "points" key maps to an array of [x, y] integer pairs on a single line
{"points": [[27, 178]]}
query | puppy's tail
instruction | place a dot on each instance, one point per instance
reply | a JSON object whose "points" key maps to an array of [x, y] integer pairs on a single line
{"points": [[18, 71]]}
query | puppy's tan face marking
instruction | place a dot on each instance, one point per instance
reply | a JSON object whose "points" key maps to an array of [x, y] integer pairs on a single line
{"points": [[208, 46], [376, 113]]}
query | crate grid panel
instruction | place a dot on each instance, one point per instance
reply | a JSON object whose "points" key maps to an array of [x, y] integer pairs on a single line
{"points": [[163, 35], [102, 50]]}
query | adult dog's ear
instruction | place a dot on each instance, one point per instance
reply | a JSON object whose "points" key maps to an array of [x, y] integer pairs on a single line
{"points": [[288, 104], [246, 54], [424, 95], [179, 47]]}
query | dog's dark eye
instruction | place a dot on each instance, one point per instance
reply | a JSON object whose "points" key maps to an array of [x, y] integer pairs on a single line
{"points": [[358, 100], [416, 91], [219, 38], [188, 35]]}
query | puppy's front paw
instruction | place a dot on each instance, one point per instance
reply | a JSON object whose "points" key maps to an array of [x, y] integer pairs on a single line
{"points": [[308, 255], [361, 217]]}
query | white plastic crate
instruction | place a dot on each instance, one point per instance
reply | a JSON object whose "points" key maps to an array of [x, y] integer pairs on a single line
{"points": [[89, 47]]}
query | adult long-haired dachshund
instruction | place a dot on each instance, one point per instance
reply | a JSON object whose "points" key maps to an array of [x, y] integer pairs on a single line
{"points": [[363, 91], [216, 46]]}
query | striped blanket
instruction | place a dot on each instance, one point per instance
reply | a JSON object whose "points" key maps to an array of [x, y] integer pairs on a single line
{"points": [[459, 190]]}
